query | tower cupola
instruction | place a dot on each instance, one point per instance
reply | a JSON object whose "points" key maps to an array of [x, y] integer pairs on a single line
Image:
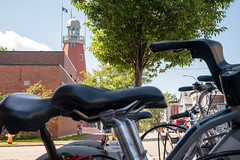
{"points": [[73, 26]]}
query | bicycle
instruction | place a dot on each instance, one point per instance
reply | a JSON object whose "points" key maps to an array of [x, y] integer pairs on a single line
{"points": [[210, 138], [202, 145], [226, 78], [28, 112]]}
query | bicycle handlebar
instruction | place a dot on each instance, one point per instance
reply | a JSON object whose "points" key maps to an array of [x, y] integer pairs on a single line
{"points": [[186, 88], [206, 87], [168, 45], [205, 78], [208, 50], [180, 115], [212, 53]]}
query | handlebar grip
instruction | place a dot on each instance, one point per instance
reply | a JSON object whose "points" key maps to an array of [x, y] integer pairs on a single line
{"points": [[180, 115], [206, 87], [187, 88], [205, 78], [167, 45]]}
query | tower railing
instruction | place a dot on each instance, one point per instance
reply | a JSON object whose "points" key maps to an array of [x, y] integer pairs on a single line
{"points": [[73, 37]]}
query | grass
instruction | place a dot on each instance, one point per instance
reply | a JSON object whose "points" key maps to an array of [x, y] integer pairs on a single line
{"points": [[27, 140], [74, 137]]}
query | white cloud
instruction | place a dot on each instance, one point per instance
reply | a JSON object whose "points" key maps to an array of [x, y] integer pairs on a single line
{"points": [[12, 40]]}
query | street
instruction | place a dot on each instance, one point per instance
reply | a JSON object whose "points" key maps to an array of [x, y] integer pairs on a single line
{"points": [[21, 153], [150, 143]]}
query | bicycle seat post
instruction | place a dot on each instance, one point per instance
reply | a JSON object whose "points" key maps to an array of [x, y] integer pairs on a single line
{"points": [[135, 136], [124, 129], [48, 143], [127, 139]]}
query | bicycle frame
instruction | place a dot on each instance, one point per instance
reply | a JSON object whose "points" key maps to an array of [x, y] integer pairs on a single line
{"points": [[126, 131], [201, 127]]}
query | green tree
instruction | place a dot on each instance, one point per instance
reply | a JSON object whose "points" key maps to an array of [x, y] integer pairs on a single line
{"points": [[157, 114], [124, 29], [39, 89], [3, 48], [110, 77], [2, 95]]}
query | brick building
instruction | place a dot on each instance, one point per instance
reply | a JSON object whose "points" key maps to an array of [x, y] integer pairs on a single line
{"points": [[21, 69]]}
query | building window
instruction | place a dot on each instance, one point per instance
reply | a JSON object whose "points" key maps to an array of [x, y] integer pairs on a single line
{"points": [[82, 79], [77, 31], [26, 83], [73, 45], [81, 57]]}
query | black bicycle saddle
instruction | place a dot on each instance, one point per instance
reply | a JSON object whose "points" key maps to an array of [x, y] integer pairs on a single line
{"points": [[25, 112], [91, 101]]}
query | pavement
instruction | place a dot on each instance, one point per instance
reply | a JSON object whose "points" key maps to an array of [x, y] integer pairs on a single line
{"points": [[149, 143]]}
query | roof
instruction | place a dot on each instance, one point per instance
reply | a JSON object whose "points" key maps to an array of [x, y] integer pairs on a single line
{"points": [[31, 57], [73, 22]]}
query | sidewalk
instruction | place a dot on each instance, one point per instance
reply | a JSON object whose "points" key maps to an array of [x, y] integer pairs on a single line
{"points": [[97, 137], [150, 143]]}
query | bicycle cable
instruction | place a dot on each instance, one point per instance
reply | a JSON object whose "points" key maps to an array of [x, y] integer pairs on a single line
{"points": [[161, 125]]}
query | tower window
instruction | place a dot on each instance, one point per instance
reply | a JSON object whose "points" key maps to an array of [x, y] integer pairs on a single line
{"points": [[73, 31], [73, 45], [81, 57]]}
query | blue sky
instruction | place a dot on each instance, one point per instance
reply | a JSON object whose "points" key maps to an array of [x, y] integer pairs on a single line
{"points": [[36, 25]]}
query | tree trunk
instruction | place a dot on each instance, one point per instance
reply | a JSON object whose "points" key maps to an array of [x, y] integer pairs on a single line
{"points": [[138, 65], [138, 76]]}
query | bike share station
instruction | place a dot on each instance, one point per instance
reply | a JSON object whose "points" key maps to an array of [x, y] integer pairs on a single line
{"points": [[28, 112]]}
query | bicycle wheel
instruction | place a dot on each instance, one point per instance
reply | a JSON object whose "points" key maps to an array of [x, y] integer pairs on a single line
{"points": [[167, 137]]}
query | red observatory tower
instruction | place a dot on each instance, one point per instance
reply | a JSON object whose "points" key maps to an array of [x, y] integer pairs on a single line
{"points": [[73, 46]]}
